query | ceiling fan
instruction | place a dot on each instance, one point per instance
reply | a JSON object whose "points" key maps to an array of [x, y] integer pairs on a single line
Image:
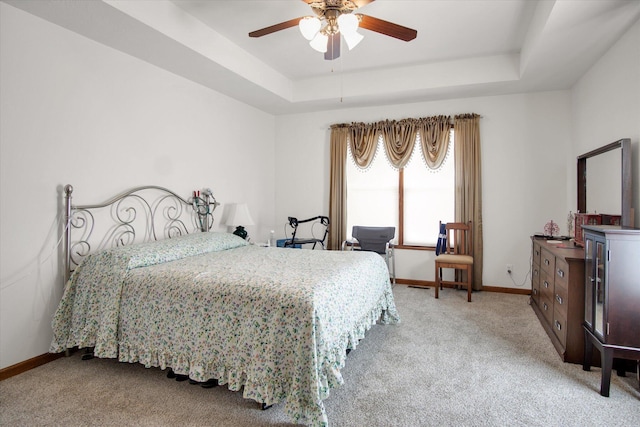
{"points": [[338, 19]]}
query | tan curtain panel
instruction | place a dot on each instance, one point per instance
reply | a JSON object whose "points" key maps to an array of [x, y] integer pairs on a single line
{"points": [[434, 139], [468, 183], [399, 139], [363, 142], [338, 187]]}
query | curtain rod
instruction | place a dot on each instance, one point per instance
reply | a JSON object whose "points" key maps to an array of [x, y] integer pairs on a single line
{"points": [[464, 115]]}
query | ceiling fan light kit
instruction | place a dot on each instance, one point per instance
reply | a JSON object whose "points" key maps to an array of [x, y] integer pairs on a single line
{"points": [[309, 27], [352, 39], [319, 42], [348, 23], [345, 24], [339, 20]]}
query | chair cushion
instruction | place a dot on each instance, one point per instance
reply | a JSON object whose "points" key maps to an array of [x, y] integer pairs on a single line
{"points": [[455, 259]]}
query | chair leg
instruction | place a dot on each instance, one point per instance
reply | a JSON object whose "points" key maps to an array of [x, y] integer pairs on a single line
{"points": [[391, 267], [469, 282], [393, 264], [437, 280]]}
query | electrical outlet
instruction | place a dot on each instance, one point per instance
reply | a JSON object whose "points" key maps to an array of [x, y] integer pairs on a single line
{"points": [[509, 268]]}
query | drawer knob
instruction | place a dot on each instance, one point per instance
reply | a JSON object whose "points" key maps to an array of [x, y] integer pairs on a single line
{"points": [[558, 326], [535, 292], [546, 284], [559, 299], [560, 273], [546, 261], [545, 306]]}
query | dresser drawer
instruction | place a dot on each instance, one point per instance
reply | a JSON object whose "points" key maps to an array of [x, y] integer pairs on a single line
{"points": [[547, 262], [559, 325], [561, 273], [546, 306], [535, 284], [536, 254], [546, 285], [535, 287], [560, 299]]}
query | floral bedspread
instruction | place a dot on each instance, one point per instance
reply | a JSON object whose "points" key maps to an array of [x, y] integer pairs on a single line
{"points": [[274, 322]]}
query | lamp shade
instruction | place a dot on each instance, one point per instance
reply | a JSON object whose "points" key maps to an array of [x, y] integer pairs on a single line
{"points": [[236, 214]]}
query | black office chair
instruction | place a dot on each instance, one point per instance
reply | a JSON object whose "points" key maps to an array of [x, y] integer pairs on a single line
{"points": [[374, 239], [296, 242]]}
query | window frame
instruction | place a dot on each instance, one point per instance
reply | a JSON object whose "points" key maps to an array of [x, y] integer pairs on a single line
{"points": [[400, 239]]}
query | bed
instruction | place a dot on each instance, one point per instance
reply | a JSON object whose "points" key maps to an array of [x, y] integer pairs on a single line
{"points": [[275, 323]]}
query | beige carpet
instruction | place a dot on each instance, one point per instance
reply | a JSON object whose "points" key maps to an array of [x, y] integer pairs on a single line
{"points": [[485, 363]]}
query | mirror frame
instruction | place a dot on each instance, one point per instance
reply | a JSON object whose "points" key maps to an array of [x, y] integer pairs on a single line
{"points": [[626, 183]]}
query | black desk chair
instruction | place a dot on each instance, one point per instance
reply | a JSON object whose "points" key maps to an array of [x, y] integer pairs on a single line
{"points": [[294, 241], [374, 239]]}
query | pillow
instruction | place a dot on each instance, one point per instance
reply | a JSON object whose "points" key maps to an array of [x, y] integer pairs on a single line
{"points": [[158, 252]]}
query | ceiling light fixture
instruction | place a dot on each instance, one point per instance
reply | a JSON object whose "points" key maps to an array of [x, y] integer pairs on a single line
{"points": [[338, 18], [338, 22], [319, 42], [309, 27]]}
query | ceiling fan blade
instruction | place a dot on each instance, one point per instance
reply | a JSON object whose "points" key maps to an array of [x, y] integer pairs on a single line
{"points": [[274, 28], [333, 47], [387, 28]]}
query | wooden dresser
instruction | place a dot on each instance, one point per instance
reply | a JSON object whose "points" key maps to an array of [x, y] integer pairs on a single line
{"points": [[557, 295]]}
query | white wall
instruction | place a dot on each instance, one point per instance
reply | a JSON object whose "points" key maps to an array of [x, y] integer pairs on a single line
{"points": [[75, 111], [525, 140], [606, 106]]}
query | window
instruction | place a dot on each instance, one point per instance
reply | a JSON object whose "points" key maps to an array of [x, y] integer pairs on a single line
{"points": [[379, 195]]}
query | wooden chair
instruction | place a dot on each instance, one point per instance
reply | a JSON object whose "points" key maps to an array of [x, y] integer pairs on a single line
{"points": [[457, 254]]}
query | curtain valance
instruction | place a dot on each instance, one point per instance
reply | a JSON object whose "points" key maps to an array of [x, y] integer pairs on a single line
{"points": [[399, 137]]}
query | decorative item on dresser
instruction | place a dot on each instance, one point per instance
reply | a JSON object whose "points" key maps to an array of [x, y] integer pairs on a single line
{"points": [[557, 294], [584, 219], [593, 219], [551, 229], [612, 298]]}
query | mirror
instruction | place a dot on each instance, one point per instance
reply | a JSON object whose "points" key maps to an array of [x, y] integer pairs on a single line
{"points": [[603, 175], [604, 181]]}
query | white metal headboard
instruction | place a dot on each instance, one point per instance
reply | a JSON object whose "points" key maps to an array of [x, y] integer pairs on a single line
{"points": [[138, 215]]}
